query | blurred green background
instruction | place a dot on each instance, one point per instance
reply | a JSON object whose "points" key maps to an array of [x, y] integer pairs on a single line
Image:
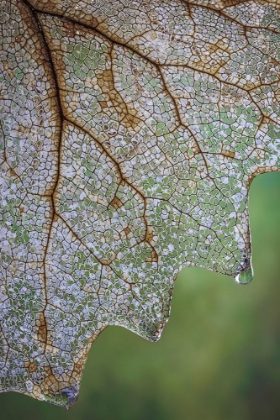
{"points": [[219, 355]]}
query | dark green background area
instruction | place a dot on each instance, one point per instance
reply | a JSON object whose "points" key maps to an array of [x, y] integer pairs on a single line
{"points": [[219, 355]]}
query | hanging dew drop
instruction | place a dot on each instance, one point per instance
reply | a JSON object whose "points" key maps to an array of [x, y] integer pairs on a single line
{"points": [[245, 277]]}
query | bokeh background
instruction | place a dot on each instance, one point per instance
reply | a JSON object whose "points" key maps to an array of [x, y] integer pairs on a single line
{"points": [[219, 355]]}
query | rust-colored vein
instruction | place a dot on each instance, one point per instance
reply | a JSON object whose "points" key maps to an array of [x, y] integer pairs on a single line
{"points": [[44, 330], [181, 122]]}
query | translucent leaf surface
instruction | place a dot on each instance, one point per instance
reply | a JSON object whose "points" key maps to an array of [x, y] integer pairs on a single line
{"points": [[130, 134]]}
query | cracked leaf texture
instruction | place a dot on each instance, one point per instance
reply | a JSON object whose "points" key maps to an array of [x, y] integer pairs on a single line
{"points": [[130, 134]]}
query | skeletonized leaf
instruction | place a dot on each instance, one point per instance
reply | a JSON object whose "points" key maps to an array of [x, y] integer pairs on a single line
{"points": [[130, 134]]}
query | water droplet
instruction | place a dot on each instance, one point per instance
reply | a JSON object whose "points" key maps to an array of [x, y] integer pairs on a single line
{"points": [[66, 398], [71, 394], [246, 276]]}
